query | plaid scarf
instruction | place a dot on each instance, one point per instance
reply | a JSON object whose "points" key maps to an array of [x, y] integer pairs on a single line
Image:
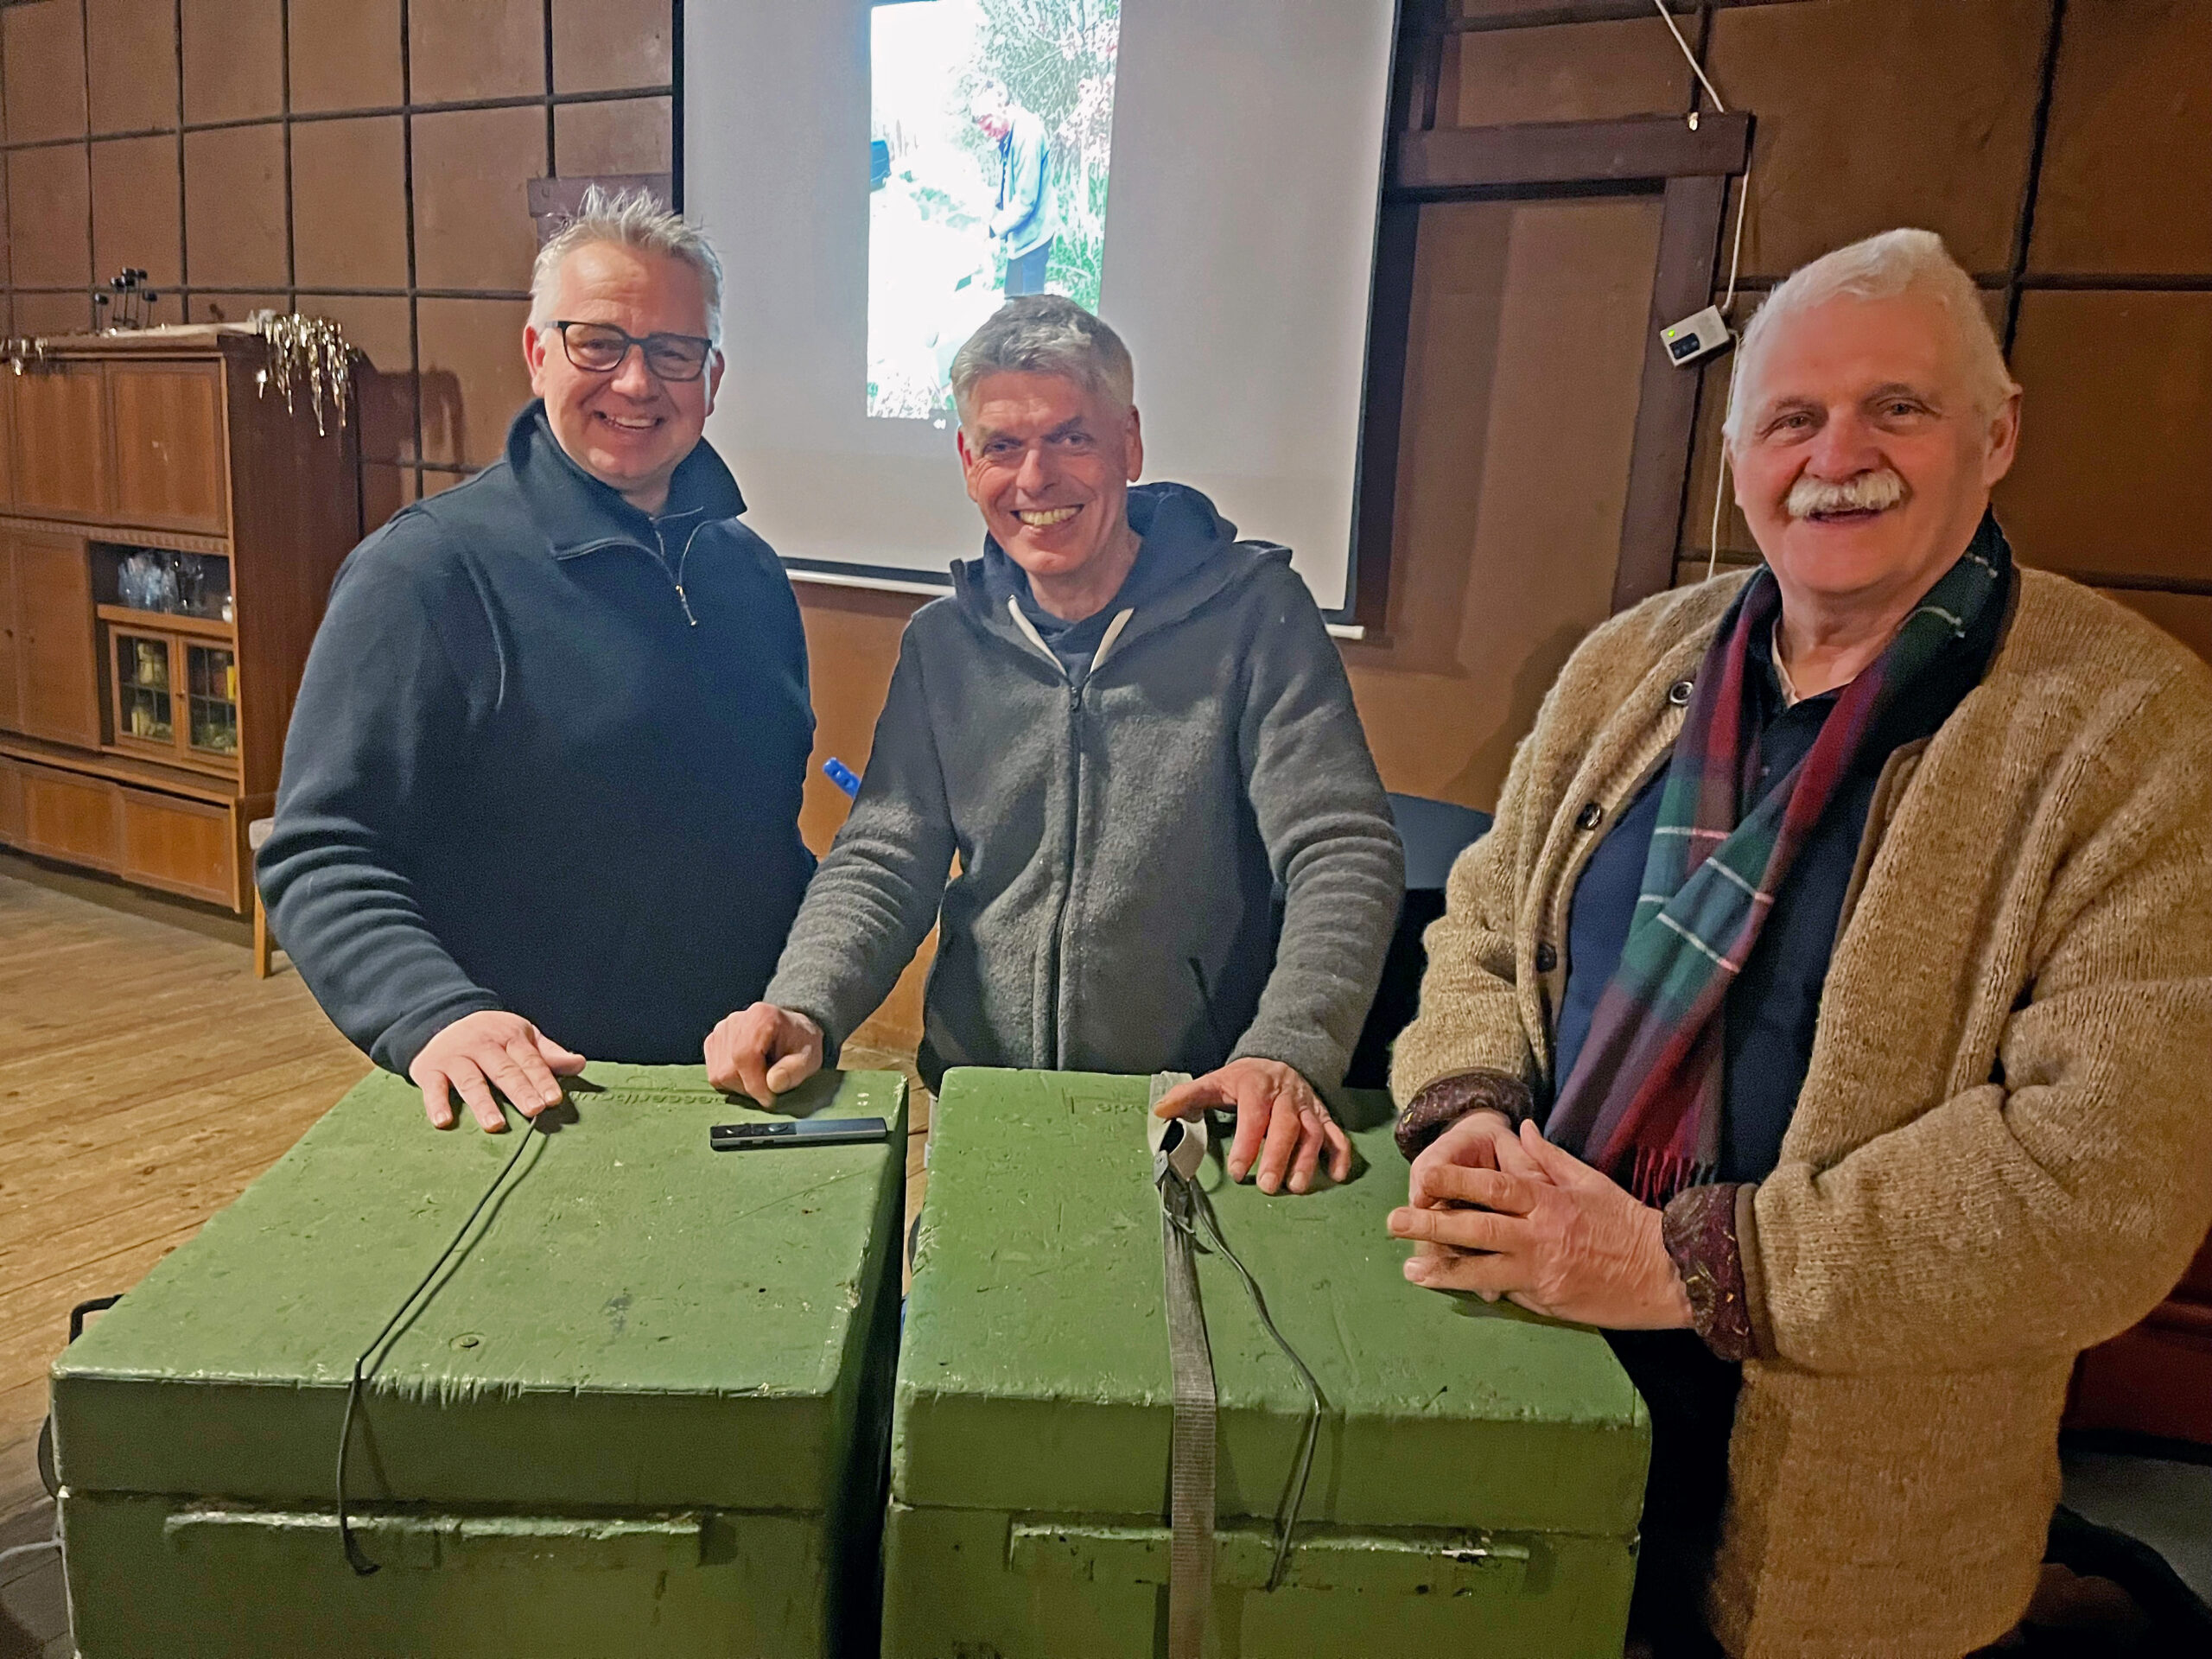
{"points": [[1644, 1103]]}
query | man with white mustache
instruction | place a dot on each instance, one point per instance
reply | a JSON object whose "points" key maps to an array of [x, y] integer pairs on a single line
{"points": [[1134, 732], [1825, 1015]]}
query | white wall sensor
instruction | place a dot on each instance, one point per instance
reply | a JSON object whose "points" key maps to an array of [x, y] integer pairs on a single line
{"points": [[1695, 337]]}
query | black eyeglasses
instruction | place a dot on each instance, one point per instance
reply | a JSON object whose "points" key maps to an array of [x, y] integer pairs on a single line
{"points": [[600, 347]]}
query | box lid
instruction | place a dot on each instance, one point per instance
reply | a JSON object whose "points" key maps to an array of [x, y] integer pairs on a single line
{"points": [[640, 1322], [1034, 1372]]}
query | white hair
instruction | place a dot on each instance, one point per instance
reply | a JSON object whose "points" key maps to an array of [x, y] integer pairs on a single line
{"points": [[629, 218], [1044, 333], [1881, 268]]}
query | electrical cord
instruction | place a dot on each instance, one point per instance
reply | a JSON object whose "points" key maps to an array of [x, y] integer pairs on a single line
{"points": [[355, 1557], [1293, 1498], [1735, 266]]}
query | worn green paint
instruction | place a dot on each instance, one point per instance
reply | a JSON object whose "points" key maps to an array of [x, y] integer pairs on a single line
{"points": [[1030, 1436], [651, 1388]]}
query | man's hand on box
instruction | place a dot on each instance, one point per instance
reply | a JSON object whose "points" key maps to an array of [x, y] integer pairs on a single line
{"points": [[491, 1049], [1280, 1121], [763, 1050], [1563, 1241]]}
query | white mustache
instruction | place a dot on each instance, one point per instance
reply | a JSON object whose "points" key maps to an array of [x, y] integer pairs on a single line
{"points": [[1869, 492]]}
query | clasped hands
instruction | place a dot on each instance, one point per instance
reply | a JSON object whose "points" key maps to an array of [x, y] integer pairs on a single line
{"points": [[1281, 1123], [1502, 1213]]}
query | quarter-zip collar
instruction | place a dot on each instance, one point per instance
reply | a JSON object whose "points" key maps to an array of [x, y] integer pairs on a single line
{"points": [[576, 513]]}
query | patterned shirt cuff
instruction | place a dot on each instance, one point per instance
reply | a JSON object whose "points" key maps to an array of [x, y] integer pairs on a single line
{"points": [[1437, 1107], [1699, 1229]]}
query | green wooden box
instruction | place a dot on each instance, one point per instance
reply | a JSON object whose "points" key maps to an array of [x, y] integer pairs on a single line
{"points": [[1480, 1474], [642, 1413]]}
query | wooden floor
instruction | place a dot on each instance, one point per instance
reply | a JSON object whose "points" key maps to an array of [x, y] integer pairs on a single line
{"points": [[145, 1077]]}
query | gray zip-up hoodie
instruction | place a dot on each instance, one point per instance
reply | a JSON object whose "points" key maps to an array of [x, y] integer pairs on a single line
{"points": [[1182, 857]]}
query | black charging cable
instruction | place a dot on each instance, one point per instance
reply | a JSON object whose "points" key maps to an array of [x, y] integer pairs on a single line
{"points": [[1293, 1498], [355, 1557]]}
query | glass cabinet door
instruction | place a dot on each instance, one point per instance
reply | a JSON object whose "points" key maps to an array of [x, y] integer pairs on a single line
{"points": [[213, 703], [144, 708]]}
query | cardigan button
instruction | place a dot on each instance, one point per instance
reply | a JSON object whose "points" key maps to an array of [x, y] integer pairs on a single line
{"points": [[1547, 957], [1679, 693], [1590, 816]]}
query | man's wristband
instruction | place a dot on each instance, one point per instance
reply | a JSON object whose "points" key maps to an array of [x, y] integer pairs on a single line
{"points": [[1440, 1104]]}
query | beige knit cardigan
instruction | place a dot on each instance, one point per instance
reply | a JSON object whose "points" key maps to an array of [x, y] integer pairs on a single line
{"points": [[2002, 1152]]}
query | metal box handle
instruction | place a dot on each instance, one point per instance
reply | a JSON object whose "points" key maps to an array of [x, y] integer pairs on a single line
{"points": [[1416, 1561], [648, 1542]]}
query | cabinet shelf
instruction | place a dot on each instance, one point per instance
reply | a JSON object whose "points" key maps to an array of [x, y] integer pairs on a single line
{"points": [[208, 627]]}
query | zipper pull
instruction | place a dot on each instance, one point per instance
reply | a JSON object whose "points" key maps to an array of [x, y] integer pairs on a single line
{"points": [[684, 599]]}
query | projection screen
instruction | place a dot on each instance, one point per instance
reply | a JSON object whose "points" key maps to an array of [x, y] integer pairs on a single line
{"points": [[1206, 173]]}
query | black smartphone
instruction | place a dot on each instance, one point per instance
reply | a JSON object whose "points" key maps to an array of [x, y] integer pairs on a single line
{"points": [[797, 1132]]}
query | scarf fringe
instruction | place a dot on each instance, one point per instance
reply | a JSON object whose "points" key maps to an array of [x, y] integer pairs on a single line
{"points": [[1656, 1177]]}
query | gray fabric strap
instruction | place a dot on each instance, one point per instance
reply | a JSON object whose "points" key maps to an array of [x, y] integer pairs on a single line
{"points": [[1176, 1151]]}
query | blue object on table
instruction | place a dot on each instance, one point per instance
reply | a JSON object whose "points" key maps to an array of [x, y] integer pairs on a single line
{"points": [[843, 776]]}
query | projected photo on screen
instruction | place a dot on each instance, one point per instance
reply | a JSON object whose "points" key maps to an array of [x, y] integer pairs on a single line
{"points": [[990, 130]]}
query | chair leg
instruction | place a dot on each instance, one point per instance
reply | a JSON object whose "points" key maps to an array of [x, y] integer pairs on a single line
{"points": [[262, 949]]}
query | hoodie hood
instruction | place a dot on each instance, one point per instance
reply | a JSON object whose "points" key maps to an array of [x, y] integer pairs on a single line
{"points": [[1190, 553]]}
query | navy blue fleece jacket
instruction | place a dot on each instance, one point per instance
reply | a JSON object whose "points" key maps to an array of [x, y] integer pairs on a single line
{"points": [[547, 757]]}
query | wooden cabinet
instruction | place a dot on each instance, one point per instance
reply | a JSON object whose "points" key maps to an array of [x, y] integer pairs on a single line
{"points": [[69, 816], [60, 430], [165, 420], [11, 702], [168, 537], [57, 676], [188, 847]]}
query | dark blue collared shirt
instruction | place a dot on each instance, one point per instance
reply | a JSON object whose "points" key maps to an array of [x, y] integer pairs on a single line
{"points": [[1773, 1008]]}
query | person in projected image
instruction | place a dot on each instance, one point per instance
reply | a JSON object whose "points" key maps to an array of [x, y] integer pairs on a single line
{"points": [[541, 791], [1847, 926], [1135, 734], [1026, 220]]}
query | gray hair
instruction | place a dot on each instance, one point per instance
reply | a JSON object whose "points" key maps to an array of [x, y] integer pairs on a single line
{"points": [[1881, 268], [629, 218], [1044, 333]]}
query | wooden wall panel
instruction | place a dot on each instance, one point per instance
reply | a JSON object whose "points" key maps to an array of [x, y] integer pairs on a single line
{"points": [[1576, 72], [233, 58], [2114, 475], [345, 55], [44, 46], [50, 203], [1877, 113], [1520, 406], [2188, 617], [133, 74], [136, 218], [2130, 144]]}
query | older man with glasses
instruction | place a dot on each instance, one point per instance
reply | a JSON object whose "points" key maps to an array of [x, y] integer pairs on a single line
{"points": [[541, 791]]}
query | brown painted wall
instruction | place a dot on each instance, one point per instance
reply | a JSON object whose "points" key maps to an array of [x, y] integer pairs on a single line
{"points": [[360, 160]]}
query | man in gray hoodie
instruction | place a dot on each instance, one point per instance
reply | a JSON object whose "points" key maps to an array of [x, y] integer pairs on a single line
{"points": [[1135, 734]]}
